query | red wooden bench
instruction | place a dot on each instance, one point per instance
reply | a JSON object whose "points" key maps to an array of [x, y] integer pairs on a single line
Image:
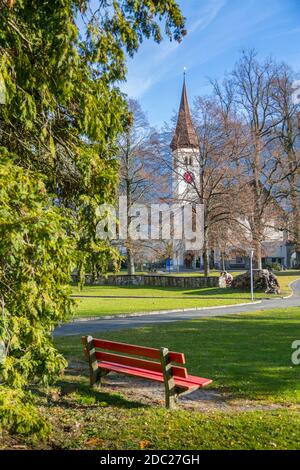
{"points": [[103, 357]]}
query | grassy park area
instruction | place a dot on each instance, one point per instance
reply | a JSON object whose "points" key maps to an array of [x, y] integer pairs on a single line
{"points": [[113, 300], [248, 356]]}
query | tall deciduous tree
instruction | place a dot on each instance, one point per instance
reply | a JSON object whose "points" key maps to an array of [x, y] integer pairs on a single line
{"points": [[253, 84], [221, 146], [139, 171], [288, 133], [252, 89]]}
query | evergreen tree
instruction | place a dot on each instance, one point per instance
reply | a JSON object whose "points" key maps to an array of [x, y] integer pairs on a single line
{"points": [[60, 114]]}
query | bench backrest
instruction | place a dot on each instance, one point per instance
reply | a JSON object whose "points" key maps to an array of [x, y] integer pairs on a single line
{"points": [[108, 351]]}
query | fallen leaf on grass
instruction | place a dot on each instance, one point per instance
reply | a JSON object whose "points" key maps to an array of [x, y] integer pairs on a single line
{"points": [[55, 396], [94, 441], [144, 444]]}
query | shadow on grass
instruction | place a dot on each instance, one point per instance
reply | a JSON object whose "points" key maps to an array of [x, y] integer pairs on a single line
{"points": [[132, 287], [96, 396], [209, 291], [76, 393], [223, 293], [249, 357], [200, 297]]}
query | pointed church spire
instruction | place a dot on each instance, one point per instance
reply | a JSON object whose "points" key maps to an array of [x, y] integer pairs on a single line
{"points": [[185, 134]]}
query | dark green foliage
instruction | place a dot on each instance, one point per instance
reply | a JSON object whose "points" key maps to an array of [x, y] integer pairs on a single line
{"points": [[18, 414], [36, 255], [59, 122], [63, 109]]}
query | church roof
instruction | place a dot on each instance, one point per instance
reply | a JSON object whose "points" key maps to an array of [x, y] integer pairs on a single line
{"points": [[185, 134]]}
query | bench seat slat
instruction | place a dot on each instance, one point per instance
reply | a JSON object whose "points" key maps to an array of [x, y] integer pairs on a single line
{"points": [[138, 363], [183, 383], [201, 381], [135, 371], [151, 353]]}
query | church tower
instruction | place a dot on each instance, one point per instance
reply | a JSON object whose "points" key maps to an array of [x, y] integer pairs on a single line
{"points": [[185, 153], [185, 174]]}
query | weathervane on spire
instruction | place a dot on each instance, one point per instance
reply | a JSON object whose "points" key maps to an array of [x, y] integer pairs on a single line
{"points": [[184, 72]]}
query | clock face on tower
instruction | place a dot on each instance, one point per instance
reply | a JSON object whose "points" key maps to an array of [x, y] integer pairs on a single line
{"points": [[188, 177]]}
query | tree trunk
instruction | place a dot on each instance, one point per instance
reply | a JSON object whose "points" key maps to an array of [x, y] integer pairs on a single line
{"points": [[223, 261], [206, 253], [257, 257], [212, 259], [295, 219], [294, 194], [130, 262], [130, 255]]}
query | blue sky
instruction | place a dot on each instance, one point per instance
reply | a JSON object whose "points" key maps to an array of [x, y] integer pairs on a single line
{"points": [[217, 31]]}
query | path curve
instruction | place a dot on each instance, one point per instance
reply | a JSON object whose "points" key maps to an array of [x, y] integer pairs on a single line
{"points": [[98, 324]]}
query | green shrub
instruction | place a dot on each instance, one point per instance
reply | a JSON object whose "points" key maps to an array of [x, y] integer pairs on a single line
{"points": [[37, 253], [18, 414], [273, 266]]}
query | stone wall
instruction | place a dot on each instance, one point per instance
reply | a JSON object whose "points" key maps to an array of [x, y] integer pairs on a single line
{"points": [[188, 282]]}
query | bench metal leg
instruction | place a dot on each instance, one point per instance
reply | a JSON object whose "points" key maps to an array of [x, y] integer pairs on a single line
{"points": [[102, 373], [170, 388]]}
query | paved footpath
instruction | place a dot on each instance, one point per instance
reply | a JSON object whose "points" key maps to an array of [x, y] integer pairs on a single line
{"points": [[78, 327]]}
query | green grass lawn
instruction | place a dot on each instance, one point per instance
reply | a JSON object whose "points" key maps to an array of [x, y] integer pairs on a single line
{"points": [[124, 300], [88, 420], [132, 299], [249, 358]]}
